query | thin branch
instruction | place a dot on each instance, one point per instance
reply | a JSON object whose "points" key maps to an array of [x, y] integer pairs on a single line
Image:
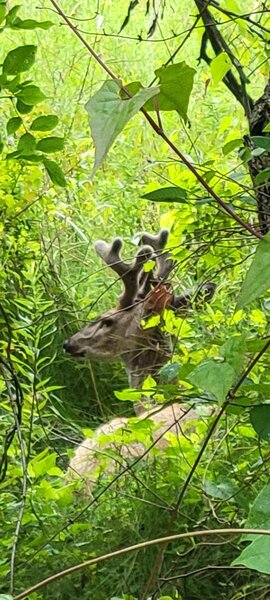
{"points": [[160, 131], [154, 542]]}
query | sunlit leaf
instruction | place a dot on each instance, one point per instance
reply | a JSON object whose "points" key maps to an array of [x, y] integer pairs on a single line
{"points": [[257, 280], [220, 65], [213, 377], [27, 144], [108, 115], [30, 24], [31, 95], [19, 60]]}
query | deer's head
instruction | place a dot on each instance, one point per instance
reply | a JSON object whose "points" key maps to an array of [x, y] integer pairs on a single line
{"points": [[119, 333]]}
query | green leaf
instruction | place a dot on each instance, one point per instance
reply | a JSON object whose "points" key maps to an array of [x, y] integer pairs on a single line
{"points": [[32, 158], [44, 123], [129, 395], [31, 95], [22, 108], [230, 146], [11, 16], [169, 372], [167, 194], [175, 82], [222, 490], [2, 16], [257, 280], [234, 351], [26, 144], [260, 420], [267, 128], [13, 124], [262, 176], [30, 24], [55, 172], [256, 555], [261, 141], [19, 60], [220, 65], [213, 377], [51, 144], [108, 115], [6, 597]]}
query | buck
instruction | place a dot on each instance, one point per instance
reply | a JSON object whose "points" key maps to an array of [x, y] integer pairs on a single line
{"points": [[122, 333]]}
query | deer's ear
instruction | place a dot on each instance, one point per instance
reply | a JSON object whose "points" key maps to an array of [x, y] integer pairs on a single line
{"points": [[159, 298]]}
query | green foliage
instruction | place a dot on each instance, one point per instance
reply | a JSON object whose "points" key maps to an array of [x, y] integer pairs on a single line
{"points": [[52, 283]]}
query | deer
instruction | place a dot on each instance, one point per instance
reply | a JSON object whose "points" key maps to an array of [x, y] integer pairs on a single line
{"points": [[121, 333]]}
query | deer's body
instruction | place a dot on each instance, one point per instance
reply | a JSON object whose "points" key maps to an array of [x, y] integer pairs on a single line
{"points": [[119, 334]]}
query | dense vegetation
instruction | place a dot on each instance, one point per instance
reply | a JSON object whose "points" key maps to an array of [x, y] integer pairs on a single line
{"points": [[52, 210]]}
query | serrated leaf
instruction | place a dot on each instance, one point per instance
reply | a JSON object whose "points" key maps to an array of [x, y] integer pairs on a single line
{"points": [[167, 194], [261, 141], [19, 60], [55, 172], [31, 95], [51, 144], [30, 24], [260, 420], [213, 377], [13, 125], [23, 108], [26, 144], [219, 66], [257, 280], [44, 123], [108, 115]]}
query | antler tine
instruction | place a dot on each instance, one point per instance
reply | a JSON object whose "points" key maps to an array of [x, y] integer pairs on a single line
{"points": [[158, 242], [128, 272]]}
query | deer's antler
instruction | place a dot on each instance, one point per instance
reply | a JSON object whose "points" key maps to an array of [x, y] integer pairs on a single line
{"points": [[128, 272]]}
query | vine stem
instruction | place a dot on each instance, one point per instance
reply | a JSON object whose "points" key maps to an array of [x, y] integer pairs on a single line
{"points": [[159, 130], [134, 548]]}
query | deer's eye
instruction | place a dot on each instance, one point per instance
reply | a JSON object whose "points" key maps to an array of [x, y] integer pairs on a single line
{"points": [[108, 322]]}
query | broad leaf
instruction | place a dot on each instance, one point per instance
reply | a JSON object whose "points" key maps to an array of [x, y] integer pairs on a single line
{"points": [[55, 172], [220, 65], [13, 124], [234, 351], [169, 372], [262, 176], [19, 60], [31, 95], [51, 144], [167, 194], [108, 115], [260, 420], [230, 146], [221, 490], [213, 377], [256, 555], [261, 141], [257, 280], [2, 16], [27, 144], [44, 123], [23, 108]]}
